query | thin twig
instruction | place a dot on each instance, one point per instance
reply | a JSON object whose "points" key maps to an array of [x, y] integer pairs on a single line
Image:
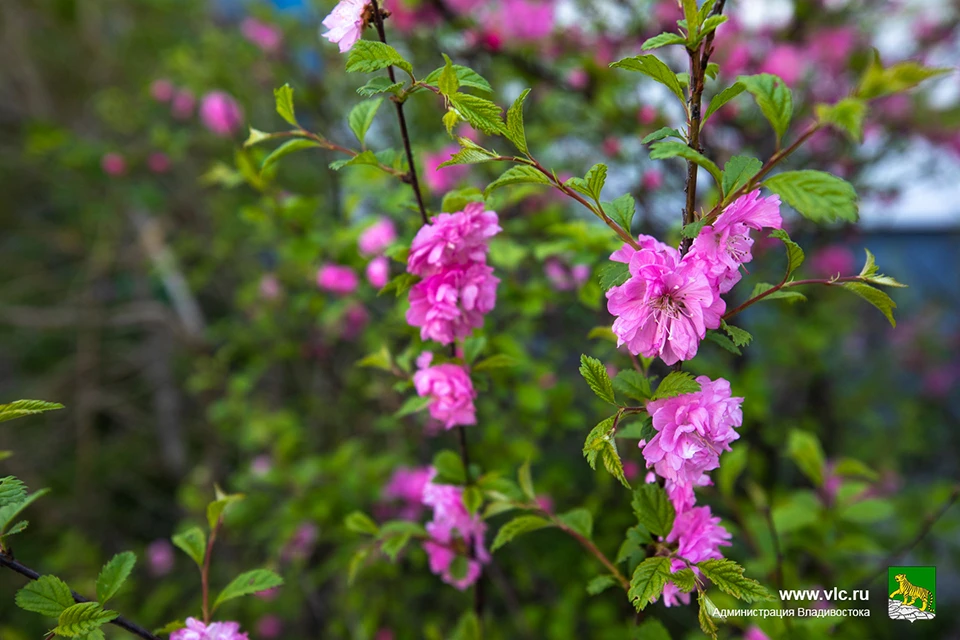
{"points": [[784, 284], [205, 572], [587, 544]]}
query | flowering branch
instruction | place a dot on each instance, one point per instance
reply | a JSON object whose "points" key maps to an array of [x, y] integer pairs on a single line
{"points": [[8, 561]]}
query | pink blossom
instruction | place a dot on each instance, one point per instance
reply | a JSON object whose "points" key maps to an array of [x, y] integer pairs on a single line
{"points": [[269, 627], [652, 179], [754, 632], [833, 260], [692, 430], [648, 114], [378, 272], [377, 237], [556, 274], [337, 279], [545, 502], [521, 20], [182, 104], [162, 90], [196, 630], [437, 179], [345, 23], [451, 520], [699, 537], [160, 557], [666, 306], [158, 162], [270, 287], [266, 36], [453, 239], [451, 390], [113, 164], [449, 305], [406, 485], [786, 61], [580, 274], [354, 321], [220, 113]]}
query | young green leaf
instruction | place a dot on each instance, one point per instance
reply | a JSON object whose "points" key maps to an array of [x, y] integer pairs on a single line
{"points": [[677, 383], [660, 134], [705, 615], [359, 522], [874, 296], [738, 172], [515, 131], [621, 211], [846, 115], [722, 98], [783, 294], [450, 467], [653, 509], [413, 404], [673, 149], [597, 440], [448, 82], [878, 81], [732, 464], [470, 153], [472, 498], [612, 462], [632, 384], [248, 583], [193, 542], [21, 408], [287, 148], [47, 595], [368, 56], [283, 96], [871, 273], [740, 337], [728, 576], [520, 174], [723, 342], [466, 77], [12, 491], [804, 449], [516, 527], [613, 274], [662, 40], [114, 574], [774, 99], [648, 581], [795, 255], [361, 117], [652, 67], [483, 115], [580, 520], [601, 583], [380, 85], [597, 378], [400, 284], [596, 177], [216, 507], [82, 618], [816, 195]]}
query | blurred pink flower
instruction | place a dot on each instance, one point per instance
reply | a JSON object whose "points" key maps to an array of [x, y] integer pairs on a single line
{"points": [[158, 162], [556, 274], [181, 107], [580, 274], [378, 272], [377, 237], [160, 557], [648, 114], [631, 469], [521, 20], [833, 46], [266, 36], [578, 78], [220, 113], [755, 633], [345, 23], [407, 485], [786, 61], [196, 630], [337, 279], [833, 260], [261, 465], [611, 146], [652, 179], [162, 90], [545, 502], [113, 164], [355, 321], [269, 627], [270, 287], [301, 543], [450, 389], [437, 179]]}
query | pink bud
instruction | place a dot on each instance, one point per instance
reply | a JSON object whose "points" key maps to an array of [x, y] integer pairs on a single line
{"points": [[220, 113], [181, 107], [337, 279], [113, 164], [652, 179], [160, 557], [266, 36], [580, 274], [647, 114], [162, 90], [378, 272], [611, 146], [158, 162], [269, 627]]}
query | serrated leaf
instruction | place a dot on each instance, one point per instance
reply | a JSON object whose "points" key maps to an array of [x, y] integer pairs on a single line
{"points": [[518, 526], [597, 378], [413, 404], [580, 520], [193, 542], [846, 115], [48, 595], [677, 383], [515, 131], [723, 342], [498, 361], [83, 618], [653, 509], [804, 449], [450, 467], [520, 174], [738, 172], [774, 98], [596, 440], [249, 583], [648, 581], [874, 296], [685, 580], [612, 462], [361, 117], [878, 81], [12, 510], [483, 115], [722, 98], [871, 273], [256, 137], [368, 56], [600, 584], [783, 294], [652, 67], [662, 40], [665, 149], [21, 408], [466, 76], [710, 24], [470, 153], [621, 211], [379, 85], [740, 337], [728, 576], [114, 574], [12, 491], [660, 134], [795, 255], [705, 615], [693, 229], [613, 274], [448, 83], [632, 384], [15, 529], [816, 195], [283, 97], [595, 179], [285, 149]]}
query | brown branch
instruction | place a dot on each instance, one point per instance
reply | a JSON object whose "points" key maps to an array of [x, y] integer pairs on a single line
{"points": [[784, 284]]}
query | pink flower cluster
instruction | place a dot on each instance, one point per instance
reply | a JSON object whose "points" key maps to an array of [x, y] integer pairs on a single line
{"points": [[406, 486], [666, 306], [196, 630], [458, 287], [450, 389], [451, 524], [373, 242]]}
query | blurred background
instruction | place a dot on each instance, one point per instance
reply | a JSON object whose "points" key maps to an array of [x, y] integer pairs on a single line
{"points": [[165, 292]]}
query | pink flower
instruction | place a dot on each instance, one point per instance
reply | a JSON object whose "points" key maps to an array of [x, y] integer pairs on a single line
{"points": [[196, 630], [556, 274], [648, 114], [755, 633], [726, 245], [700, 537], [453, 239], [337, 279], [666, 306], [162, 90], [158, 162], [451, 520], [521, 20], [345, 23], [692, 430], [377, 237], [113, 164], [580, 274], [449, 305], [160, 557], [437, 179], [652, 179], [220, 113], [786, 61], [354, 321], [378, 272], [269, 627], [182, 104], [451, 390], [833, 260], [406, 485], [266, 36]]}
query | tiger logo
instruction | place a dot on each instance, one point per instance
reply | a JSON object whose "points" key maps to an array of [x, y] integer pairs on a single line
{"points": [[911, 593]]}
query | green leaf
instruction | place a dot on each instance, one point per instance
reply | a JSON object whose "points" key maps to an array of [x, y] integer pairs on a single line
{"points": [[804, 449], [515, 131], [677, 383], [795, 255], [359, 522], [740, 337], [356, 563], [15, 529], [652, 67], [706, 614], [380, 85], [660, 134], [472, 498], [732, 464], [368, 56], [473, 347], [256, 137], [249, 583], [48, 595], [96, 634], [12, 491], [285, 149], [466, 76], [470, 153], [400, 284], [520, 174], [871, 273], [722, 98], [114, 574], [498, 361], [600, 584], [672, 149], [691, 15], [283, 97], [580, 520], [723, 341], [613, 274], [449, 467], [361, 117], [693, 229], [685, 580], [83, 618], [847, 116], [413, 405], [597, 378], [648, 581], [596, 177], [458, 199], [193, 542], [516, 527], [21, 408], [653, 509], [483, 115], [393, 545], [596, 440], [867, 511], [652, 629], [12, 510], [216, 508], [448, 82], [632, 384], [728, 576], [783, 294], [878, 81], [612, 462], [378, 359], [817, 195], [662, 40], [621, 211], [874, 296], [738, 172], [710, 24], [774, 99], [468, 628]]}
